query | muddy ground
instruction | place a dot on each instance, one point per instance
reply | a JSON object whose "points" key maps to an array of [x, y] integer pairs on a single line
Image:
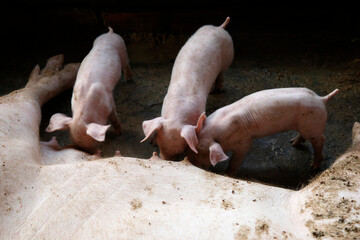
{"points": [[319, 60]]}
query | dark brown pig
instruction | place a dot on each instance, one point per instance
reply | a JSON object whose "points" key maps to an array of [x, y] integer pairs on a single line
{"points": [[233, 127], [92, 101], [198, 67]]}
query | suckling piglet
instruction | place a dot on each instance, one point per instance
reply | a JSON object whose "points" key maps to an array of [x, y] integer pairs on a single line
{"points": [[233, 127], [198, 68], [92, 100]]}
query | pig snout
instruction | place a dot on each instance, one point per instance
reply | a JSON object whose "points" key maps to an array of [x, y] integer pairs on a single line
{"points": [[86, 137], [202, 159]]}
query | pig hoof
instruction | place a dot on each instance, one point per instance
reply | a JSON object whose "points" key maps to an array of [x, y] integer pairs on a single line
{"points": [[98, 154]]}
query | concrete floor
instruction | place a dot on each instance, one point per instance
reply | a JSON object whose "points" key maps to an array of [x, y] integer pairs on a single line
{"points": [[262, 61]]}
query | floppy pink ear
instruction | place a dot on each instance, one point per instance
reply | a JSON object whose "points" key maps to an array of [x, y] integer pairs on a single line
{"points": [[97, 131], [217, 154], [200, 123], [189, 134], [150, 126], [58, 121]]}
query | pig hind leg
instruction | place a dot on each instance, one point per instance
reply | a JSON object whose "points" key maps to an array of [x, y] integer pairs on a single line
{"points": [[127, 73], [311, 127], [317, 140], [318, 144], [218, 83]]}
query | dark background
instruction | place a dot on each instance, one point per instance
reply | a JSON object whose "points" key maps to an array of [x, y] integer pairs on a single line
{"points": [[53, 27]]}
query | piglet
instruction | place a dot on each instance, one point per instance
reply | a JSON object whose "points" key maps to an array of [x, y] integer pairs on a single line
{"points": [[197, 70], [233, 127], [92, 101]]}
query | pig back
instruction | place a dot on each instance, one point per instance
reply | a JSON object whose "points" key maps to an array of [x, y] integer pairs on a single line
{"points": [[205, 55], [101, 66], [208, 52], [114, 42], [270, 111]]}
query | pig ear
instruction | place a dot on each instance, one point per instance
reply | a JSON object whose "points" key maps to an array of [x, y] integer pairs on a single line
{"points": [[200, 123], [217, 154], [150, 126], [58, 121], [188, 132], [97, 131]]}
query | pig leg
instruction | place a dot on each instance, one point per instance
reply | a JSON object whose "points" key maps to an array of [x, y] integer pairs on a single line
{"points": [[237, 157], [53, 65], [127, 73], [318, 144], [297, 140], [218, 83], [115, 121], [25, 106]]}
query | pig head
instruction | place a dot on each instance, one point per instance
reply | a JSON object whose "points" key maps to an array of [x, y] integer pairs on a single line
{"points": [[170, 131], [84, 136], [92, 100], [198, 69], [210, 152]]}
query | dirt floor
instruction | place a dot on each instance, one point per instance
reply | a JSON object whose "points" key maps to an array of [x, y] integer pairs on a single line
{"points": [[263, 60]]}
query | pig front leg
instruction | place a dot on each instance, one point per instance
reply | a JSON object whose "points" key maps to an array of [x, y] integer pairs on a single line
{"points": [[115, 121], [238, 156], [52, 79]]}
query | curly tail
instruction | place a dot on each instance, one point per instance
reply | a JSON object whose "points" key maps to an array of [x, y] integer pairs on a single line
{"points": [[227, 20], [110, 30], [330, 95]]}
